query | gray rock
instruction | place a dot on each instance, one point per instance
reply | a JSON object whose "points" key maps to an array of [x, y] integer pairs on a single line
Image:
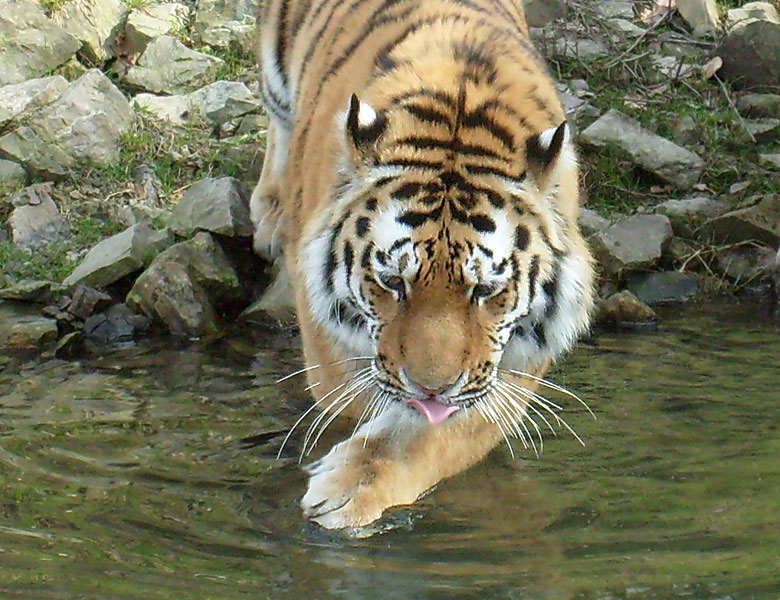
{"points": [[252, 124], [759, 105], [539, 13], [763, 131], [688, 214], [609, 9], [224, 100], [185, 284], [81, 128], [32, 44], [686, 130], [118, 256], [18, 100], [624, 28], [94, 23], [170, 67], [668, 286], [176, 109], [86, 301], [745, 263], [591, 222], [150, 22], [223, 24], [12, 176], [771, 161], [751, 55], [277, 300], [216, 205], [760, 222], [702, 15], [116, 325], [69, 345], [624, 308], [752, 11], [36, 218], [30, 290], [633, 243], [651, 152], [21, 327], [569, 46]]}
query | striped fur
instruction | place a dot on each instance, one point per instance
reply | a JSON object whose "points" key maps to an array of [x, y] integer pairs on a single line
{"points": [[422, 190]]}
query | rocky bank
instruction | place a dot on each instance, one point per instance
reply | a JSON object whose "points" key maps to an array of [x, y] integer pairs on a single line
{"points": [[130, 134]]}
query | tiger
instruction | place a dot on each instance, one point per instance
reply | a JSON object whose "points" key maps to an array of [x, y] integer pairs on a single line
{"points": [[420, 194]]}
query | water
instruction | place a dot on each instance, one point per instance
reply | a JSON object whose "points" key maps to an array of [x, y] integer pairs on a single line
{"points": [[150, 472]]}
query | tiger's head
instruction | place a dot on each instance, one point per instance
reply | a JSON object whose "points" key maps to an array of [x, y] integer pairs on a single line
{"points": [[450, 248]]}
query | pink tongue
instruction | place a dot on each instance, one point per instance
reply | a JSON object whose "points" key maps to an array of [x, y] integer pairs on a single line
{"points": [[434, 411]]}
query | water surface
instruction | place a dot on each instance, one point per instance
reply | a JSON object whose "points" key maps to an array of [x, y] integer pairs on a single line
{"points": [[150, 472]]}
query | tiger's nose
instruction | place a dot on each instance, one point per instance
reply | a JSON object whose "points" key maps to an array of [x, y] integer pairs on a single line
{"points": [[429, 385]]}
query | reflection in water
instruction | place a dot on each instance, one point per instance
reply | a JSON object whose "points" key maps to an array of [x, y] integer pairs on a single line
{"points": [[151, 471]]}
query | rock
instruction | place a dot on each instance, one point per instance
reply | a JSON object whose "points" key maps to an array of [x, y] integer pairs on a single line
{"points": [[252, 125], [36, 218], [687, 214], [12, 177], [752, 11], [86, 301], [771, 161], [31, 43], [760, 222], [668, 286], [591, 222], [624, 28], [702, 16], [170, 67], [633, 243], [539, 13], [569, 46], [223, 24], [94, 23], [751, 54], [69, 345], [745, 263], [686, 130], [175, 109], [216, 205], [224, 100], [651, 152], [184, 286], [19, 100], [116, 325], [763, 130], [81, 128], [759, 105], [150, 22], [30, 290], [118, 256], [24, 328], [609, 9], [277, 300], [623, 308]]}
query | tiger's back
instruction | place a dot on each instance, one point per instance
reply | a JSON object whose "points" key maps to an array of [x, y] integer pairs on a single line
{"points": [[421, 187]]}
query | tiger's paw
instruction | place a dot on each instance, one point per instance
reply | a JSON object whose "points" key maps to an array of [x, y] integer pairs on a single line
{"points": [[351, 487]]}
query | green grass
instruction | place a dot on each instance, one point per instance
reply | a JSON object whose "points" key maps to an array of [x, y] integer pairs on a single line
{"points": [[54, 260]]}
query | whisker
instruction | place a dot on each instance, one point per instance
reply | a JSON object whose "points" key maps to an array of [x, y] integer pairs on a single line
{"points": [[312, 367], [310, 409], [545, 404], [487, 415], [337, 412], [515, 416], [356, 382], [553, 386], [521, 411], [531, 407], [380, 408]]}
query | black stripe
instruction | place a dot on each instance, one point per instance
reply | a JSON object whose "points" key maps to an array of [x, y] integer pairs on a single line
{"points": [[409, 163], [362, 225], [533, 273], [482, 223], [486, 170], [479, 119], [415, 219], [522, 236], [349, 259], [406, 191], [429, 115]]}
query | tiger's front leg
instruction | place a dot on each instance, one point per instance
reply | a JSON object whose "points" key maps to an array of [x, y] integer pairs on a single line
{"points": [[392, 461]]}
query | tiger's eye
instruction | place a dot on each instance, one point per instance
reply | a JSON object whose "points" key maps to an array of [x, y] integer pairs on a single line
{"points": [[481, 291], [395, 283]]}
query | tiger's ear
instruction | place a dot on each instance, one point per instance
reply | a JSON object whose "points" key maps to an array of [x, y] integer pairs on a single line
{"points": [[364, 127], [544, 149]]}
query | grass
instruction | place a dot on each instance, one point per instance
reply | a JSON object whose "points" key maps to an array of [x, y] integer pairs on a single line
{"points": [[634, 87]]}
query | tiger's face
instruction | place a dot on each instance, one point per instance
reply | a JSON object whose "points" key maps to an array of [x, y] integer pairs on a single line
{"points": [[444, 275]]}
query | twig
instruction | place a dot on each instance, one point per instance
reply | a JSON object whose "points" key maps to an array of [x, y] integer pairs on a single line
{"points": [[734, 108]]}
